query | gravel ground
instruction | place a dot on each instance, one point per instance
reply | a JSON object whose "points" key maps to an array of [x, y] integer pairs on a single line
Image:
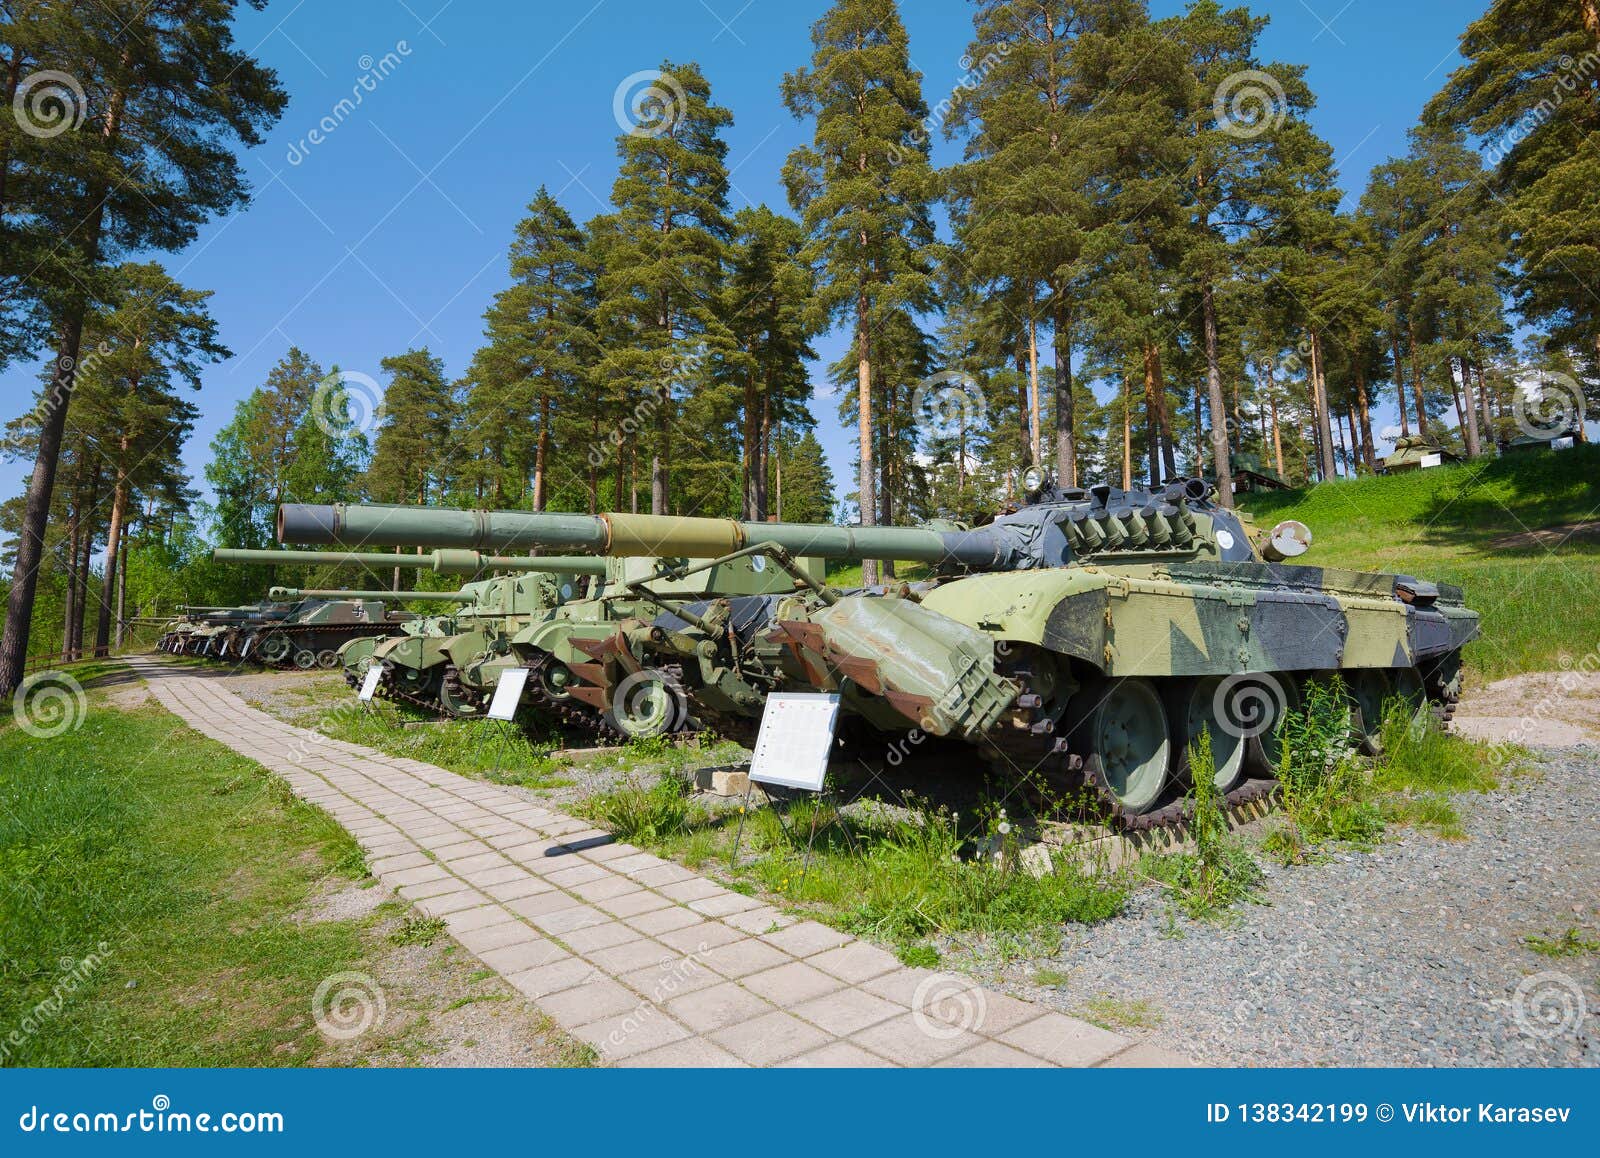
{"points": [[1411, 954]]}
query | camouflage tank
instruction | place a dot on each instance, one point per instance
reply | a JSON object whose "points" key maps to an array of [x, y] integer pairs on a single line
{"points": [[450, 662], [1089, 636]]}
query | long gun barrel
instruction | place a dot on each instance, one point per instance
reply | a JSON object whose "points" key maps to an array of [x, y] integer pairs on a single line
{"points": [[633, 535], [377, 596], [445, 562]]}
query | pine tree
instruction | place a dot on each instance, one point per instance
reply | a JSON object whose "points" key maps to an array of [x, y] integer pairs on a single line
{"points": [[863, 188], [1527, 91], [151, 160], [663, 251], [411, 456], [768, 315], [155, 336]]}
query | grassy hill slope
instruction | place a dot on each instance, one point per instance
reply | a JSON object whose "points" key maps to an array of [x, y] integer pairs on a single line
{"points": [[1520, 534]]}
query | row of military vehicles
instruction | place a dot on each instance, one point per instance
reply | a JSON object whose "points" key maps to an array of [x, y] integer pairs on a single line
{"points": [[1088, 636]]}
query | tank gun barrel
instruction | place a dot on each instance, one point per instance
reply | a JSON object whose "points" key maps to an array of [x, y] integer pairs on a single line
{"points": [[620, 534], [376, 596], [442, 562]]}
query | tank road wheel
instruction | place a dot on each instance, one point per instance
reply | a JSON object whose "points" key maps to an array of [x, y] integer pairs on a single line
{"points": [[1127, 733], [305, 659], [1195, 707], [1370, 690], [327, 659], [458, 700], [275, 649], [648, 703], [1257, 702]]}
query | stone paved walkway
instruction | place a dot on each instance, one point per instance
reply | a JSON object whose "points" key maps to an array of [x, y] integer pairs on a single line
{"points": [[646, 961]]}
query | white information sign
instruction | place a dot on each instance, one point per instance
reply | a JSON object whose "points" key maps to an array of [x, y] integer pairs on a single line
{"points": [[369, 686], [795, 740], [1432, 460], [508, 694]]}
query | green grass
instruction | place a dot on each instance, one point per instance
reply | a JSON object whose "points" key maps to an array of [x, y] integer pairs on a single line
{"points": [[1219, 872], [1113, 1014], [1332, 794], [900, 879], [1571, 943], [1448, 524], [159, 872]]}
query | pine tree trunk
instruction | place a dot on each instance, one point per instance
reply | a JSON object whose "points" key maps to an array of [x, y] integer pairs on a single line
{"points": [[764, 457], [1487, 439], [1416, 380], [868, 500], [1277, 436], [36, 513], [1364, 412], [69, 611], [108, 581], [1219, 431], [1156, 402], [1319, 390], [749, 457], [1033, 390], [122, 592], [541, 457], [1469, 410], [1066, 438], [1127, 432], [1024, 354], [1400, 383]]}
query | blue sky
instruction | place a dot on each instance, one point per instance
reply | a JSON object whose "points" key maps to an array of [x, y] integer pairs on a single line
{"points": [[391, 231]]}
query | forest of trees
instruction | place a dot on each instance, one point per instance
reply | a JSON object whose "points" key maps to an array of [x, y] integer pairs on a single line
{"points": [[1143, 265]]}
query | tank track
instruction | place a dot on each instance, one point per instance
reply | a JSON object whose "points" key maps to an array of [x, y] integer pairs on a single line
{"points": [[1033, 747], [573, 713], [458, 691], [328, 638]]}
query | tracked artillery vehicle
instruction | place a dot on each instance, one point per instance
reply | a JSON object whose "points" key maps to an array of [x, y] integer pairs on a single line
{"points": [[450, 662], [1089, 637]]}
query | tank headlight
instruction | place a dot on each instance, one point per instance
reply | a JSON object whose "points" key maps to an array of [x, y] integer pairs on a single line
{"points": [[1290, 539], [1033, 480]]}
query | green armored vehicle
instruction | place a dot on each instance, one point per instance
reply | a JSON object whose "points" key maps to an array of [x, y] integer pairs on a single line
{"points": [[1090, 636], [449, 662]]}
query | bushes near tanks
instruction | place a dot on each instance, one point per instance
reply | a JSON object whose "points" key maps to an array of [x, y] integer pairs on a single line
{"points": [[1220, 871]]}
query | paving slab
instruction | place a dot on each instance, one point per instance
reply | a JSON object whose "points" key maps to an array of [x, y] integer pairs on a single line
{"points": [[647, 961]]}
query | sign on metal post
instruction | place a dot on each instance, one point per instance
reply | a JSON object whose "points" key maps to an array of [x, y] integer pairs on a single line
{"points": [[795, 740], [369, 686], [508, 694]]}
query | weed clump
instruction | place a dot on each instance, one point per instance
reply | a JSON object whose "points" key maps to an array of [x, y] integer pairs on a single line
{"points": [[636, 812], [1220, 872]]}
